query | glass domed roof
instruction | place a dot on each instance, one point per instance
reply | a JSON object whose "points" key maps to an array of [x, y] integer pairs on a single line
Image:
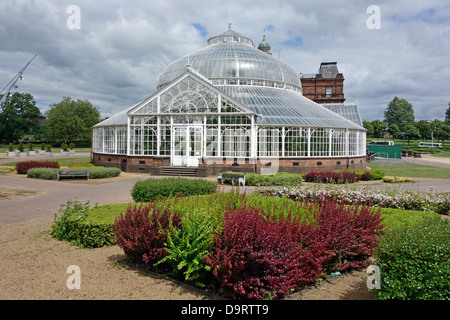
{"points": [[232, 56]]}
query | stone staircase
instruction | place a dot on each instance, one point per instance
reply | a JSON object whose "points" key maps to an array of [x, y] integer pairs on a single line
{"points": [[179, 171]]}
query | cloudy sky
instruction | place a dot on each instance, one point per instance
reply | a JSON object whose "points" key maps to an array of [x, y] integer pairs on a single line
{"points": [[114, 55]]}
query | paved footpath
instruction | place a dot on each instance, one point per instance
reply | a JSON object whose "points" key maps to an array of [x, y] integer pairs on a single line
{"points": [[55, 194], [52, 195]]}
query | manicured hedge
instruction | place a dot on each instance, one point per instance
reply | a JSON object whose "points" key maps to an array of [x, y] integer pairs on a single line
{"points": [[24, 166], [151, 189], [277, 179], [43, 173], [94, 173]]}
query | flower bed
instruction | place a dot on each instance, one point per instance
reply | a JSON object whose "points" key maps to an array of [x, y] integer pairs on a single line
{"points": [[24, 166], [222, 241], [399, 200]]}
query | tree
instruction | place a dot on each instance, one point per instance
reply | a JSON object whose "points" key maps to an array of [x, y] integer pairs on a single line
{"points": [[18, 115], [424, 129], [447, 113], [368, 126], [394, 131], [71, 120], [411, 132], [399, 112], [379, 128]]}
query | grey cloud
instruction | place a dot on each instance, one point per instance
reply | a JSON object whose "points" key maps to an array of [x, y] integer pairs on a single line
{"points": [[115, 58]]}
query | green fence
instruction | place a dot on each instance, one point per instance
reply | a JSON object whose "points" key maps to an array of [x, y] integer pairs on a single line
{"points": [[392, 152]]}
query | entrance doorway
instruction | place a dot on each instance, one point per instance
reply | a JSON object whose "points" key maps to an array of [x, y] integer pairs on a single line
{"points": [[187, 146]]}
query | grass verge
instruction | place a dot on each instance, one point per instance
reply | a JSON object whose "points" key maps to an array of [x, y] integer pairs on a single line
{"points": [[412, 170]]}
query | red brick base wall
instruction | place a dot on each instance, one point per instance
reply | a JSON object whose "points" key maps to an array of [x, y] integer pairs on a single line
{"points": [[152, 165]]}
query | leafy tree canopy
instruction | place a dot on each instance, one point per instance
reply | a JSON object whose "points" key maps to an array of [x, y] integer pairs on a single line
{"points": [[71, 120], [399, 112], [18, 115]]}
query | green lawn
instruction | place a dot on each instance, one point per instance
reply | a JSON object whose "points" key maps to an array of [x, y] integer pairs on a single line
{"points": [[442, 154], [412, 170]]}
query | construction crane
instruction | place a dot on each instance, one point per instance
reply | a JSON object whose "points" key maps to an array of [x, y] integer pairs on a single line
{"points": [[12, 84]]}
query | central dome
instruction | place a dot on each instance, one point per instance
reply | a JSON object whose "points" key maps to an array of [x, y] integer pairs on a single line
{"points": [[232, 59]]}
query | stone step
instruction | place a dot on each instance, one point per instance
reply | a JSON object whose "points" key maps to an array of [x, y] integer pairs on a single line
{"points": [[179, 171]]}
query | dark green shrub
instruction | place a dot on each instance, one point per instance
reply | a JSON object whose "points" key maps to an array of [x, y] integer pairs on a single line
{"points": [[70, 225], [94, 173], [276, 179], [376, 174], [102, 173], [43, 173], [188, 246], [151, 189], [414, 262]]}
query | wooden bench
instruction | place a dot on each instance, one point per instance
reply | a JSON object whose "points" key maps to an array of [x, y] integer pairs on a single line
{"points": [[73, 174], [233, 177]]}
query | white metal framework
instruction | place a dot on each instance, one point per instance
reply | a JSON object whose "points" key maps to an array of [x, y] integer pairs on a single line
{"points": [[228, 100]]}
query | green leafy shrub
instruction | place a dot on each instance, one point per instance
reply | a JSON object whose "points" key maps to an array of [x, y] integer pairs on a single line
{"points": [[71, 225], [188, 246], [94, 173], [151, 189], [400, 218], [10, 147], [103, 173], [376, 174], [414, 262], [43, 173], [276, 179]]}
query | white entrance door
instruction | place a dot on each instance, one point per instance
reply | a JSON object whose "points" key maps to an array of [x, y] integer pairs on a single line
{"points": [[187, 146]]}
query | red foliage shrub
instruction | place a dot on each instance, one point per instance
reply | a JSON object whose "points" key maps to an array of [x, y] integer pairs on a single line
{"points": [[24, 166], [331, 177], [254, 258], [142, 232], [345, 236]]}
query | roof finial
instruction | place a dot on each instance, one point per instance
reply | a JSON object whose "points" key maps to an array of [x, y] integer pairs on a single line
{"points": [[229, 21]]}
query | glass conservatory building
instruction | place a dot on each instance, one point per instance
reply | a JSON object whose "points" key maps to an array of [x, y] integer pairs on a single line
{"points": [[228, 106]]}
